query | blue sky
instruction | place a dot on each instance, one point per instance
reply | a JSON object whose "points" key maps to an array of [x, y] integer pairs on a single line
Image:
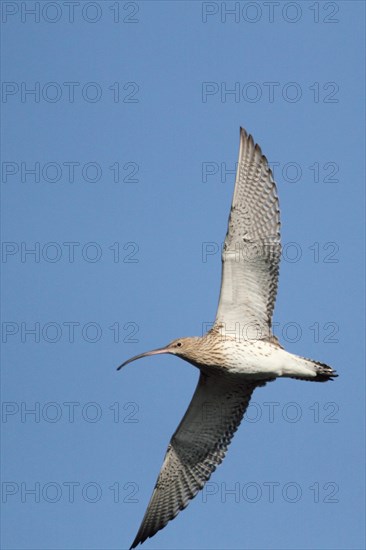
{"points": [[131, 131]]}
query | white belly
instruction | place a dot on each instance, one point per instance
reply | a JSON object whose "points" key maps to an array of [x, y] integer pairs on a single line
{"points": [[259, 359]]}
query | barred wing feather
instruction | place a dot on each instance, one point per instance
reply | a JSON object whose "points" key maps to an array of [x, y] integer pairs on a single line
{"points": [[252, 249], [197, 447]]}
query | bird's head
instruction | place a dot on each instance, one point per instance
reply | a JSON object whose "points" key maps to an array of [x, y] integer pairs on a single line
{"points": [[182, 347]]}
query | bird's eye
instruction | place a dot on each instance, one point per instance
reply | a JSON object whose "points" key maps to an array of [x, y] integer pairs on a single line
{"points": [[179, 344]]}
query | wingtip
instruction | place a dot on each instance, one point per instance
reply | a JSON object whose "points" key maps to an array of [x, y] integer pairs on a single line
{"points": [[243, 133], [136, 542], [246, 136]]}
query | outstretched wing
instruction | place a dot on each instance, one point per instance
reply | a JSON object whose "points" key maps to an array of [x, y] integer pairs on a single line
{"points": [[197, 447], [252, 248]]}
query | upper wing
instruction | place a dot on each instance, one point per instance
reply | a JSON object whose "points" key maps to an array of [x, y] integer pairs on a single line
{"points": [[196, 448], [252, 249]]}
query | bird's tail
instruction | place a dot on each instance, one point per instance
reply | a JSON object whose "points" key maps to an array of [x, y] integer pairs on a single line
{"points": [[314, 371]]}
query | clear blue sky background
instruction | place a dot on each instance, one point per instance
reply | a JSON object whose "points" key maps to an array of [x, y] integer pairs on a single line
{"points": [[161, 130]]}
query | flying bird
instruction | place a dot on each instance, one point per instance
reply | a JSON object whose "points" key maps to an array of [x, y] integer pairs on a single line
{"points": [[239, 353]]}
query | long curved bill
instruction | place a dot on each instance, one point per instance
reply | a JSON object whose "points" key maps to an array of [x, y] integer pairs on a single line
{"points": [[146, 354]]}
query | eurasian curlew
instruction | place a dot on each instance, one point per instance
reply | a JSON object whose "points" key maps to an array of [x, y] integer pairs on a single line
{"points": [[231, 367]]}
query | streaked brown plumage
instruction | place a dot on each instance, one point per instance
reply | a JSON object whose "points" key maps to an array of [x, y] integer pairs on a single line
{"points": [[231, 367]]}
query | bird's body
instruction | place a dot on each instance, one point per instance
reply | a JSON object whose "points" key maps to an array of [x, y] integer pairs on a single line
{"points": [[239, 353], [251, 359]]}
